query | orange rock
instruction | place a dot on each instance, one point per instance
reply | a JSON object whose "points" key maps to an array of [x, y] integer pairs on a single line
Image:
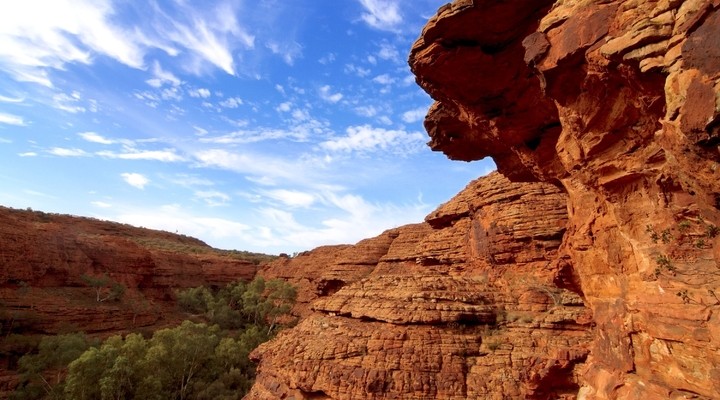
{"points": [[463, 306], [631, 136]]}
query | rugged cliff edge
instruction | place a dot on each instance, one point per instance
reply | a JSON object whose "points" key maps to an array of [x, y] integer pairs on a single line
{"points": [[605, 288], [43, 258], [617, 102], [472, 303]]}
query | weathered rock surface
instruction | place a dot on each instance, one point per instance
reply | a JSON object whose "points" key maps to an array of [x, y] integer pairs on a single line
{"points": [[617, 102], [44, 256], [473, 303]]}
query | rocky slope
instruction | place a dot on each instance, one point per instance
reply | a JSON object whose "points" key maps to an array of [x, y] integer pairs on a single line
{"points": [[472, 303], [600, 283], [44, 257]]}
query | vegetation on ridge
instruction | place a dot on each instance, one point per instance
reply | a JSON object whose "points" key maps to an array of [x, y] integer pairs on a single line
{"points": [[196, 360]]}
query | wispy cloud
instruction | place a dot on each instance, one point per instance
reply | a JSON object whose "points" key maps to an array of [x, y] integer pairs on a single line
{"points": [[5, 99], [101, 204], [27, 153], [289, 51], [73, 31], [263, 169], [201, 92], [65, 152], [11, 119], [414, 115], [327, 95], [95, 138], [36, 35], [166, 155], [134, 179], [231, 102], [290, 198], [366, 138], [162, 77], [382, 14], [212, 198]]}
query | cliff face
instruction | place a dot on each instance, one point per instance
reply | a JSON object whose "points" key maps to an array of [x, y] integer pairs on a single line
{"points": [[600, 283], [617, 102], [43, 258], [472, 303]]}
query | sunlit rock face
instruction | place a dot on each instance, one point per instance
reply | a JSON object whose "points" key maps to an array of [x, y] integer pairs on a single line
{"points": [[617, 103], [473, 303], [43, 258]]}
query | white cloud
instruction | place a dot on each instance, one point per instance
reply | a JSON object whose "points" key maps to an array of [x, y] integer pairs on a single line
{"points": [[28, 154], [366, 111], [201, 92], [212, 198], [5, 99], [290, 198], [366, 138], [382, 14], [414, 115], [173, 218], [258, 168], [388, 52], [288, 51], [134, 179], [95, 138], [166, 155], [231, 102], [327, 59], [161, 77], [69, 103], [36, 34], [11, 119], [356, 70], [64, 152], [384, 79], [284, 107], [101, 204], [327, 95]]}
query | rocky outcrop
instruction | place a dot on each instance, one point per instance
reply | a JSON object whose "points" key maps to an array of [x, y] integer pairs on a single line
{"points": [[472, 303], [618, 103], [45, 256]]}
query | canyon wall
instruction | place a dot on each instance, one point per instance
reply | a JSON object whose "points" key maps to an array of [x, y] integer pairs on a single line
{"points": [[593, 275], [45, 256], [617, 102], [473, 303]]}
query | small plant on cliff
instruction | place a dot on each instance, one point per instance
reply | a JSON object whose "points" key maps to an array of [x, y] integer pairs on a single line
{"points": [[105, 288], [663, 263]]}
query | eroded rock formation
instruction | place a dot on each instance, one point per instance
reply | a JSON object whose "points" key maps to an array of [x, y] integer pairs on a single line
{"points": [[617, 102], [472, 303], [44, 257]]}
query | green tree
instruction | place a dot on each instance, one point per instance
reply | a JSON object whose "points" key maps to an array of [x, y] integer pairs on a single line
{"points": [[105, 288], [42, 373]]}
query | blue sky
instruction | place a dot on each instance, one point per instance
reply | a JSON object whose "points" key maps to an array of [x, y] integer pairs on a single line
{"points": [[272, 126]]}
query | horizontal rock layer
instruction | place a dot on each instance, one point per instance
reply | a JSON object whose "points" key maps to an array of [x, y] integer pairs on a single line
{"points": [[473, 303], [617, 102]]}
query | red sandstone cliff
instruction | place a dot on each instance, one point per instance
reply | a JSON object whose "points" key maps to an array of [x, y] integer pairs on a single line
{"points": [[610, 292], [44, 256], [470, 304]]}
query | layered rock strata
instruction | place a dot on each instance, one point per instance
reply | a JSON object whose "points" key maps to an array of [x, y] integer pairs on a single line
{"points": [[472, 303], [618, 103], [45, 256]]}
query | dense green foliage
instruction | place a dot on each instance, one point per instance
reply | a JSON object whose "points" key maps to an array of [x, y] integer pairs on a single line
{"points": [[191, 361], [258, 303]]}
